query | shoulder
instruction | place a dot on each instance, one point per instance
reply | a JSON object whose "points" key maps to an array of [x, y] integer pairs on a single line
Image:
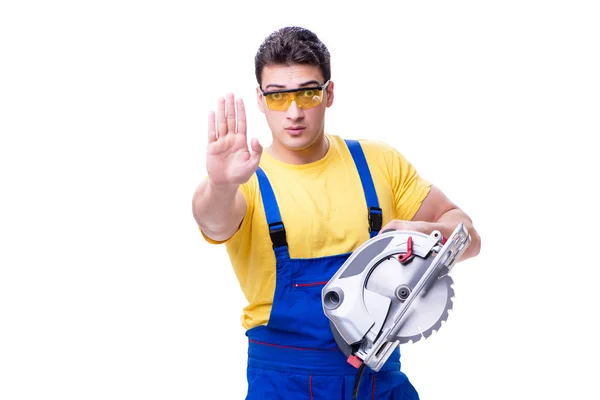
{"points": [[381, 152], [368, 146], [378, 153], [379, 148], [374, 146]]}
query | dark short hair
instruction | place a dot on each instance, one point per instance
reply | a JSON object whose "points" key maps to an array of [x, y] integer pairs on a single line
{"points": [[292, 45]]}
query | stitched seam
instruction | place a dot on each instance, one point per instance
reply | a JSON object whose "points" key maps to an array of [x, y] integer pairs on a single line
{"points": [[373, 388], [292, 347]]}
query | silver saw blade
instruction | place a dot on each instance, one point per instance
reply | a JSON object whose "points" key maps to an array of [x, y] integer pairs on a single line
{"points": [[429, 309], [428, 313]]}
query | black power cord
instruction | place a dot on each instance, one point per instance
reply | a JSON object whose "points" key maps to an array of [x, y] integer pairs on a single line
{"points": [[359, 374]]}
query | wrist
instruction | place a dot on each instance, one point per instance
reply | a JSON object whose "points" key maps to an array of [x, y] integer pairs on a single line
{"points": [[221, 187]]}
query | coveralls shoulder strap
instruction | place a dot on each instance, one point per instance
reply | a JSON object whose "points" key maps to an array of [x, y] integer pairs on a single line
{"points": [[271, 208]]}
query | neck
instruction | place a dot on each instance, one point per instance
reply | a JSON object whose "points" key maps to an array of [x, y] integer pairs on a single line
{"points": [[310, 154]]}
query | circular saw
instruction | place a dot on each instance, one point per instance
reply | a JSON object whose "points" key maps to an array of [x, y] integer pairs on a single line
{"points": [[393, 289]]}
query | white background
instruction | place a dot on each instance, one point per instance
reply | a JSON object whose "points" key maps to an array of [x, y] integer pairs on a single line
{"points": [[107, 290]]}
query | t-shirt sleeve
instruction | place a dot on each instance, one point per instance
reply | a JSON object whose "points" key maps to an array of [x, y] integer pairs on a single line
{"points": [[409, 188], [248, 190]]}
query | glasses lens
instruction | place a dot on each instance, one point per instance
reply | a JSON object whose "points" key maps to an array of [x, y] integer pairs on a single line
{"points": [[305, 98], [279, 101], [309, 98]]}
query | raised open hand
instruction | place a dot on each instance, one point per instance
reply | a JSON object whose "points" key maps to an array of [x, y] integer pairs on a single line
{"points": [[228, 159]]}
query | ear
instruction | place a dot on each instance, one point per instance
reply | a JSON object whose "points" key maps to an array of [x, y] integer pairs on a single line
{"points": [[330, 94], [259, 100]]}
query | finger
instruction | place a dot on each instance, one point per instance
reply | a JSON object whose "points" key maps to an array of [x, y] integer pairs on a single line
{"points": [[390, 226], [230, 113], [221, 123], [241, 117], [212, 133]]}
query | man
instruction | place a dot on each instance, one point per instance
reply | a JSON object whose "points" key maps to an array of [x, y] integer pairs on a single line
{"points": [[290, 216]]}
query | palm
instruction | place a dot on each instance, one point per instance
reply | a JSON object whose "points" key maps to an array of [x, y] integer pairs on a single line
{"points": [[229, 160]]}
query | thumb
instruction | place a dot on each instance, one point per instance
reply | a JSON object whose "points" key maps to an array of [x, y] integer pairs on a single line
{"points": [[257, 150]]}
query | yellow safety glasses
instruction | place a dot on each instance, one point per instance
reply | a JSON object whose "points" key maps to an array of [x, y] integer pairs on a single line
{"points": [[304, 98]]}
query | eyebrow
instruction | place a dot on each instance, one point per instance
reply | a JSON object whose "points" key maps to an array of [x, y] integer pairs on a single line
{"points": [[303, 84]]}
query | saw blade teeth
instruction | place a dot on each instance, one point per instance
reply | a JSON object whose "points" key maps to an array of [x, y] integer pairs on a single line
{"points": [[445, 314], [421, 335], [409, 340]]}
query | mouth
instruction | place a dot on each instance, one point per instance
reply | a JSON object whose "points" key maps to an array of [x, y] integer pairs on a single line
{"points": [[294, 130]]}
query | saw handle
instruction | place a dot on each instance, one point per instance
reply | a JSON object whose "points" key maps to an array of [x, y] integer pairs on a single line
{"points": [[444, 238]]}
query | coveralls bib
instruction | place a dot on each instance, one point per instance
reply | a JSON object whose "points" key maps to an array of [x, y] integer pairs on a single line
{"points": [[295, 356]]}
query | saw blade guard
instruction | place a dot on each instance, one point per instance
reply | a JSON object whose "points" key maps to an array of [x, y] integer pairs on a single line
{"points": [[393, 289]]}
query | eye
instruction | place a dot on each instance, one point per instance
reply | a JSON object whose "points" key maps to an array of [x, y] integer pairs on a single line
{"points": [[276, 96], [309, 93]]}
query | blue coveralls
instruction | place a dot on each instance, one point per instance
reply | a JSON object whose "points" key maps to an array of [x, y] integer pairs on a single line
{"points": [[295, 355]]}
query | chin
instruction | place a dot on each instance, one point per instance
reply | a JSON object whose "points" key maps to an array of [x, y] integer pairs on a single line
{"points": [[300, 142]]}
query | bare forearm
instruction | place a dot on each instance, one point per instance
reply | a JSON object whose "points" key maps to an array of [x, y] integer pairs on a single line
{"points": [[215, 211], [438, 213]]}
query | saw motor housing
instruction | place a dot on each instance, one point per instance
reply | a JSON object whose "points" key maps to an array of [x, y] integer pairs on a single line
{"points": [[393, 289]]}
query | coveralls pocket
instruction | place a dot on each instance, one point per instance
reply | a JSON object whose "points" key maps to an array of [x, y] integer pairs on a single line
{"points": [[279, 385], [383, 385], [309, 276], [395, 385]]}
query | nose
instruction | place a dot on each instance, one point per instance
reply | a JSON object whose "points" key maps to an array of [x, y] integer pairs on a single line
{"points": [[294, 112]]}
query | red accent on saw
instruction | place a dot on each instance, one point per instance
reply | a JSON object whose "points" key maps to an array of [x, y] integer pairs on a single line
{"points": [[354, 361], [444, 239], [310, 284], [409, 251]]}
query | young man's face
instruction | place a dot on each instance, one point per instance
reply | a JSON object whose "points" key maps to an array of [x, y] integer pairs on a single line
{"points": [[299, 125]]}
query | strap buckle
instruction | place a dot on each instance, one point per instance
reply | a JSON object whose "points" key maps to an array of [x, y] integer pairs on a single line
{"points": [[375, 219], [277, 233]]}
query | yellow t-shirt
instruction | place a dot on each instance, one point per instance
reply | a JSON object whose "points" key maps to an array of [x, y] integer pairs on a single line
{"points": [[323, 208]]}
